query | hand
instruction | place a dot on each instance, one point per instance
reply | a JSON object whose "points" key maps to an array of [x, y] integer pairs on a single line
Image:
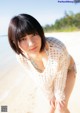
{"points": [[52, 102], [60, 104]]}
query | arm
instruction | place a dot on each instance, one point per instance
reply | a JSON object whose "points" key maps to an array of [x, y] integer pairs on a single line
{"points": [[60, 80]]}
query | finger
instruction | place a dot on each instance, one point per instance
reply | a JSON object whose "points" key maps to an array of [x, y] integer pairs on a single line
{"points": [[53, 104], [62, 103]]}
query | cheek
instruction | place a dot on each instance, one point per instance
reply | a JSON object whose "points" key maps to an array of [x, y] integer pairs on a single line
{"points": [[23, 47], [38, 41]]}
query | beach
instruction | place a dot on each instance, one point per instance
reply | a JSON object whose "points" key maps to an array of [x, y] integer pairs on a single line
{"points": [[18, 90]]}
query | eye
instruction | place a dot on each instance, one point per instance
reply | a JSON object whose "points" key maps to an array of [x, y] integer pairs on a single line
{"points": [[22, 39]]}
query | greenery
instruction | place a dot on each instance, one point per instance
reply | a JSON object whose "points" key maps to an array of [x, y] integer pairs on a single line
{"points": [[70, 22]]}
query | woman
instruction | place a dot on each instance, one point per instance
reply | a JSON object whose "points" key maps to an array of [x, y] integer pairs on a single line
{"points": [[47, 59]]}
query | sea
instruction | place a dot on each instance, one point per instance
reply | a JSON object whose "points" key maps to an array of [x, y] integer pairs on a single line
{"points": [[7, 56]]}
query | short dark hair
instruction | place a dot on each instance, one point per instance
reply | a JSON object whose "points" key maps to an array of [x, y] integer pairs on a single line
{"points": [[20, 26]]}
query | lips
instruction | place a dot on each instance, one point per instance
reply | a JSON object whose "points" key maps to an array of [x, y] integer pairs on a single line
{"points": [[32, 49]]}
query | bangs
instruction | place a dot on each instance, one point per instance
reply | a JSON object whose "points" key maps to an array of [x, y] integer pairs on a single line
{"points": [[22, 25], [23, 29]]}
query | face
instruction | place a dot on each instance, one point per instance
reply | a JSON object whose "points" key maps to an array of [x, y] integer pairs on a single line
{"points": [[30, 44]]}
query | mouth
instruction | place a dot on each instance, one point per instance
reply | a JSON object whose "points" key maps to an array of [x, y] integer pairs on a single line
{"points": [[32, 49]]}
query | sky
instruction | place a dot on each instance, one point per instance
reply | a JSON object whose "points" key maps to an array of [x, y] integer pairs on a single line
{"points": [[45, 11]]}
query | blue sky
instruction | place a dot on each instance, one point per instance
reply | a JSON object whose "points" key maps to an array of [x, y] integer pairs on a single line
{"points": [[45, 11]]}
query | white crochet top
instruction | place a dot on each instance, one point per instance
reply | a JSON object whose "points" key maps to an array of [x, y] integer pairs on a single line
{"points": [[53, 79]]}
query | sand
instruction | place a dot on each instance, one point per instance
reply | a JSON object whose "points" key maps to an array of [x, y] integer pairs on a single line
{"points": [[18, 90]]}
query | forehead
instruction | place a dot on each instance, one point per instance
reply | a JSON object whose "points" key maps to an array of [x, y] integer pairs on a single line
{"points": [[28, 36]]}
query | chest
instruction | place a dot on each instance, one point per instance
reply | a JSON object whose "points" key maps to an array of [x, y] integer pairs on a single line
{"points": [[47, 77]]}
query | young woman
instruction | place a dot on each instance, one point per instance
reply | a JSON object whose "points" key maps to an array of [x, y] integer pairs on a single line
{"points": [[45, 58]]}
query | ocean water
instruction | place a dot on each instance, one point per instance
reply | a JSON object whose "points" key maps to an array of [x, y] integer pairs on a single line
{"points": [[7, 56]]}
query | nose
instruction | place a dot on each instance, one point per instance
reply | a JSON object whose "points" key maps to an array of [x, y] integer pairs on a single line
{"points": [[30, 43]]}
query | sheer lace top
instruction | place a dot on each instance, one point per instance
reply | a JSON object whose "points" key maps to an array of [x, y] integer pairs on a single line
{"points": [[53, 79]]}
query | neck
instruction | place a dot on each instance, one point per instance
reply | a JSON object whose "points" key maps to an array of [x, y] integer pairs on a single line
{"points": [[37, 56]]}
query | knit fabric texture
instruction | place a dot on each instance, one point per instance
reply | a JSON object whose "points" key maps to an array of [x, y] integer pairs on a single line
{"points": [[52, 80]]}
